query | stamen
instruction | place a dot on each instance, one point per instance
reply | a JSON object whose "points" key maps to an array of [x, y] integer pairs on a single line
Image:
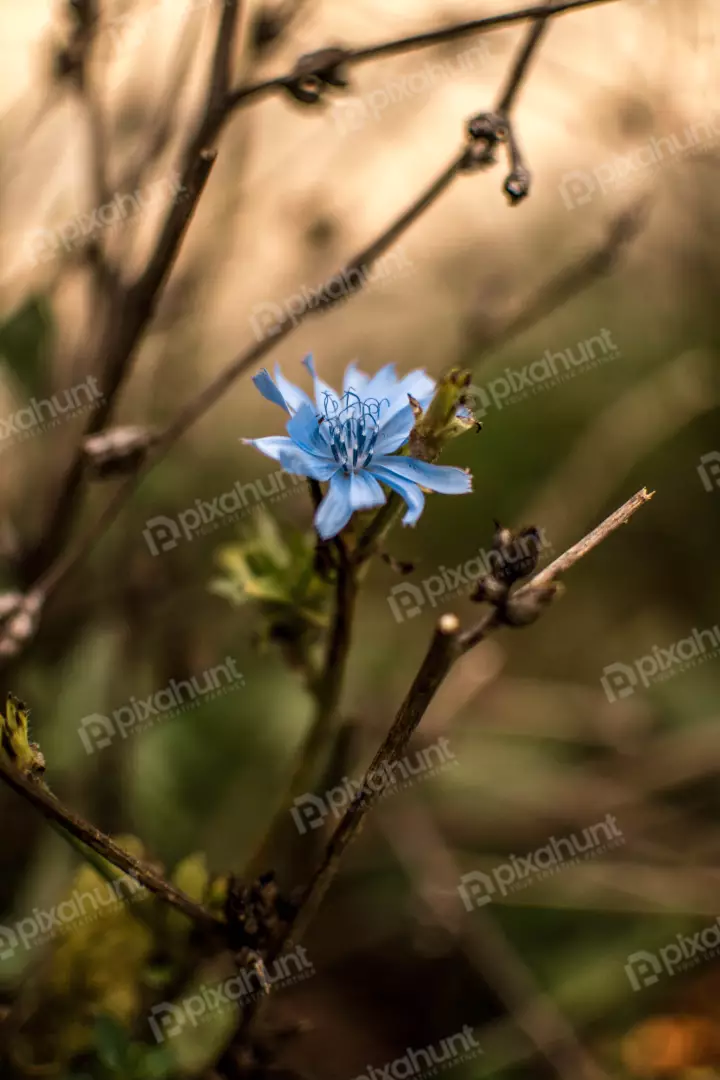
{"points": [[353, 426]]}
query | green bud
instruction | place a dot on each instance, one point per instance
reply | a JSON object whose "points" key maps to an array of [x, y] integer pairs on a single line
{"points": [[15, 739], [439, 423]]}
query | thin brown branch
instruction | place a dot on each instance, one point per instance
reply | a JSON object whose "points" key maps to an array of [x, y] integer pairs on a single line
{"points": [[133, 304], [447, 645], [438, 661], [327, 687], [221, 71], [242, 94], [521, 65], [578, 551], [82, 830]]}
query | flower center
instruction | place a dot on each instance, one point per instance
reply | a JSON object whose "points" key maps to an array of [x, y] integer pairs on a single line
{"points": [[353, 425]]}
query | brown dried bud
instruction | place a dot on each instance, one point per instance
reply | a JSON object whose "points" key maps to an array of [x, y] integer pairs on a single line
{"points": [[528, 604], [315, 72], [517, 185]]}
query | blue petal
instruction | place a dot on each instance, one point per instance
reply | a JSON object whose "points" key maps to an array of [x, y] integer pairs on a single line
{"points": [[305, 430], [410, 492], [394, 431], [294, 397], [298, 461], [355, 380], [268, 389], [327, 401], [383, 384], [273, 445], [334, 512], [443, 478], [418, 385], [365, 492]]}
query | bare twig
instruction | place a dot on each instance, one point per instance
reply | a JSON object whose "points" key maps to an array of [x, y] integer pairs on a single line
{"points": [[446, 646], [579, 550], [52, 808], [327, 687], [349, 57], [547, 577], [133, 303], [521, 65]]}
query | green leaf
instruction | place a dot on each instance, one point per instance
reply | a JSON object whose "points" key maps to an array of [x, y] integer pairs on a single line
{"points": [[25, 343], [112, 1043]]}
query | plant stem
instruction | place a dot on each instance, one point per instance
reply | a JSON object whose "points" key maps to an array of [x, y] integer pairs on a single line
{"points": [[327, 688], [71, 824]]}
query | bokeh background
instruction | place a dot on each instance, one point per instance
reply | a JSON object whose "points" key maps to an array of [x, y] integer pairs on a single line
{"points": [[541, 748]]}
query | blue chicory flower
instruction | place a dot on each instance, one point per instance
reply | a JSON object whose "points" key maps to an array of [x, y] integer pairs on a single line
{"points": [[349, 439]]}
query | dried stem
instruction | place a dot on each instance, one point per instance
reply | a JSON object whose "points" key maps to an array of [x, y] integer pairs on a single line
{"points": [[350, 57], [447, 645], [327, 687], [82, 830]]}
